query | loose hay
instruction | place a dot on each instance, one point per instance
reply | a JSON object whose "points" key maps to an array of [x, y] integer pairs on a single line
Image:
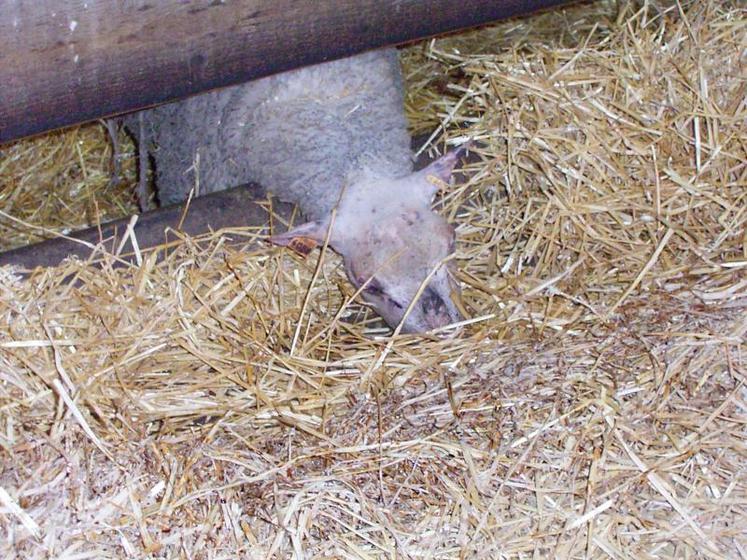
{"points": [[63, 182], [594, 408]]}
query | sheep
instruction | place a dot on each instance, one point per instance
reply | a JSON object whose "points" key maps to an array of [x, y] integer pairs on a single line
{"points": [[331, 138]]}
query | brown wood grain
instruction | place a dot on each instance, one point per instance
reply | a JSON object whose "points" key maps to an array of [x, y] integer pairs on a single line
{"points": [[68, 61], [238, 207]]}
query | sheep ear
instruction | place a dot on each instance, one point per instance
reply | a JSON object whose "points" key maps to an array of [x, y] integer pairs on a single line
{"points": [[439, 171], [302, 239]]}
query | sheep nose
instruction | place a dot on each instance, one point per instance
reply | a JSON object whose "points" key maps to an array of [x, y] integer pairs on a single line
{"points": [[436, 310]]}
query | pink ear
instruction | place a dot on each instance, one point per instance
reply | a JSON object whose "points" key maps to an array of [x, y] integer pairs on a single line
{"points": [[440, 170], [302, 239]]}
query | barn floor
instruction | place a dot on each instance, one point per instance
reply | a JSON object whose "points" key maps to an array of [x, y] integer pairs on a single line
{"points": [[231, 401]]}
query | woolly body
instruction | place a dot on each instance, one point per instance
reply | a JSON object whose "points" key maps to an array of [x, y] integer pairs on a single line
{"points": [[303, 135], [328, 136]]}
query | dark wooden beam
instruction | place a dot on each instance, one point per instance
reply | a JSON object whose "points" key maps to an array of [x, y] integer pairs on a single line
{"points": [[69, 61], [238, 207]]}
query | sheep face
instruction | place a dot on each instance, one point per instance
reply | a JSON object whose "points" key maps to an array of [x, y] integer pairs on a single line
{"points": [[395, 247]]}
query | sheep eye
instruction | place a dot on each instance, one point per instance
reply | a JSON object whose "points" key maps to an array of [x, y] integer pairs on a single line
{"points": [[374, 289]]}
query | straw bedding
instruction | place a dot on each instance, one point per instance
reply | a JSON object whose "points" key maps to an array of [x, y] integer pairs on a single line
{"points": [[232, 400]]}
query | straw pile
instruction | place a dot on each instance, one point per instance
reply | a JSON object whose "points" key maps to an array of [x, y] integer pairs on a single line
{"points": [[63, 182], [231, 401]]}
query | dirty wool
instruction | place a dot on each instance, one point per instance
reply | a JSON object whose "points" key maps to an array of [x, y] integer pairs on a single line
{"points": [[221, 398]]}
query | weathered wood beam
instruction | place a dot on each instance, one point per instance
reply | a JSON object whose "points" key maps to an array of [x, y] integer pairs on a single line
{"points": [[237, 207], [69, 61]]}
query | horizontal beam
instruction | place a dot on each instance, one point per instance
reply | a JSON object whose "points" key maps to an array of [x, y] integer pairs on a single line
{"points": [[64, 62], [237, 207]]}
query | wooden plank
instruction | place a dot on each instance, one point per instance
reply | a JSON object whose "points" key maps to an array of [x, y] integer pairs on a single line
{"points": [[68, 61], [237, 207]]}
